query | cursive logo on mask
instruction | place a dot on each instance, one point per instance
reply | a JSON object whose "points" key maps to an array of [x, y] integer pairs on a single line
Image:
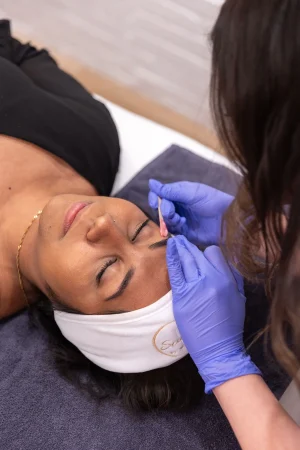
{"points": [[168, 341]]}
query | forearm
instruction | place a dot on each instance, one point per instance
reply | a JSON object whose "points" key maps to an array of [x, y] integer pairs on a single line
{"points": [[257, 419]]}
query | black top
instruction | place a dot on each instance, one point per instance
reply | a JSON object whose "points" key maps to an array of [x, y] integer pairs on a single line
{"points": [[41, 104]]}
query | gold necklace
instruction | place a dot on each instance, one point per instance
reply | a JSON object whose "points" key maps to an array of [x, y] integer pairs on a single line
{"points": [[18, 254]]}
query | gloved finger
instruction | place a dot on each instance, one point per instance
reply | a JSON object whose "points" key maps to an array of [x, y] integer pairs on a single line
{"points": [[176, 276], [178, 220], [153, 200], [178, 228], [174, 224], [196, 253], [188, 262], [178, 192], [155, 186], [172, 219], [175, 230], [167, 209], [215, 256], [238, 278], [182, 221]]}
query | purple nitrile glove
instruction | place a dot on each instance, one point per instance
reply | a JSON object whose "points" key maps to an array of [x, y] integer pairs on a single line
{"points": [[209, 309], [192, 209]]}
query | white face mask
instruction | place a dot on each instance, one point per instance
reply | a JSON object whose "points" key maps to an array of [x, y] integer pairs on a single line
{"points": [[132, 342]]}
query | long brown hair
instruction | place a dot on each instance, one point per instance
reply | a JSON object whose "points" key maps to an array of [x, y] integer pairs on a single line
{"points": [[255, 99]]}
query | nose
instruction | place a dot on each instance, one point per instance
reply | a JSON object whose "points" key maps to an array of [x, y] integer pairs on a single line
{"points": [[102, 227]]}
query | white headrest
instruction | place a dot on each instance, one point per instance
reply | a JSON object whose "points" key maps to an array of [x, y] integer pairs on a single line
{"points": [[132, 342]]}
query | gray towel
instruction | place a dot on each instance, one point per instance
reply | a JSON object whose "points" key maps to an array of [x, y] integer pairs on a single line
{"points": [[41, 411]]}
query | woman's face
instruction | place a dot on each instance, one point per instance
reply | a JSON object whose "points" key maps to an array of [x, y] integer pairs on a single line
{"points": [[98, 255]]}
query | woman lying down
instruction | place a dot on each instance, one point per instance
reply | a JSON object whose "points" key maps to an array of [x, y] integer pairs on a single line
{"points": [[91, 267]]}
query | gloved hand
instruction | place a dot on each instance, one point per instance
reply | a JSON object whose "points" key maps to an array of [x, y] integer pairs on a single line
{"points": [[209, 309], [192, 209]]}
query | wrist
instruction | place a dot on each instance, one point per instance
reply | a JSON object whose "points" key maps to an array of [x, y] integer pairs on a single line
{"points": [[225, 368]]}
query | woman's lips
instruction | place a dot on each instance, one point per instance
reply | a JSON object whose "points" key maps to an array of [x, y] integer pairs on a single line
{"points": [[72, 213]]}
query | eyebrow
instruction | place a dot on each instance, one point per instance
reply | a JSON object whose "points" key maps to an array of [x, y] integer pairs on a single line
{"points": [[123, 285], [159, 244], [130, 273]]}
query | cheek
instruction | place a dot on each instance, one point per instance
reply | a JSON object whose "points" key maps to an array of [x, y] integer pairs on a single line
{"points": [[64, 269], [158, 273]]}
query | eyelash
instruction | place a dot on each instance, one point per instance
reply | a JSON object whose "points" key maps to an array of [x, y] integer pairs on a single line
{"points": [[139, 229], [111, 261], [108, 263]]}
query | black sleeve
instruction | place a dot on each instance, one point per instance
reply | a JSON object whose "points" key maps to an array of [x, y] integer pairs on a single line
{"points": [[40, 67], [42, 104]]}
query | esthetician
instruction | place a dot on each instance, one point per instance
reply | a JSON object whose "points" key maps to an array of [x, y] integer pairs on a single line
{"points": [[255, 96]]}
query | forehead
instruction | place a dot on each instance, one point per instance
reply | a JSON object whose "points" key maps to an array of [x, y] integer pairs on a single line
{"points": [[119, 203]]}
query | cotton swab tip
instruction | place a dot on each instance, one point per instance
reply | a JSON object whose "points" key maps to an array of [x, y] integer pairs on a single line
{"points": [[162, 225]]}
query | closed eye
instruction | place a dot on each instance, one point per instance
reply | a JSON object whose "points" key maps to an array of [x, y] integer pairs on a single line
{"points": [[137, 232], [103, 269], [113, 260]]}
